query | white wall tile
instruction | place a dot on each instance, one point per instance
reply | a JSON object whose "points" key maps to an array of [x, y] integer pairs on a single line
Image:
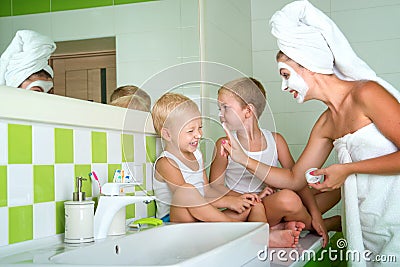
{"points": [[83, 24], [147, 16], [64, 183], [262, 39], [382, 56], [20, 184], [44, 220], [140, 148], [82, 146], [189, 13], [152, 45], [114, 152], [3, 226], [358, 4], [101, 170], [37, 22], [43, 144], [149, 176], [3, 143], [7, 32], [138, 172], [358, 26]]}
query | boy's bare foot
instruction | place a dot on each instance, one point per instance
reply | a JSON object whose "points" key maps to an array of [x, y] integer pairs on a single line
{"points": [[292, 225], [283, 238]]}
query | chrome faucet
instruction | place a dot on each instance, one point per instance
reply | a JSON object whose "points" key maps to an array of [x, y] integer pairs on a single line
{"points": [[110, 203]]}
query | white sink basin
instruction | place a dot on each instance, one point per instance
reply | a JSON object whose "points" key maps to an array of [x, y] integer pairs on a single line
{"points": [[186, 244]]}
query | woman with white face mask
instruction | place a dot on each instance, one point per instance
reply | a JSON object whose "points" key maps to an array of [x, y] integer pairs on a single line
{"points": [[361, 122]]}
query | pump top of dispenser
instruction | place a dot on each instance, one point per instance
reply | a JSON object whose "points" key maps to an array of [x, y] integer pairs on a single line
{"points": [[78, 195]]}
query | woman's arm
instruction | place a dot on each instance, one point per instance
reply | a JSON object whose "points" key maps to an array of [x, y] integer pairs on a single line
{"points": [[314, 155], [381, 108]]}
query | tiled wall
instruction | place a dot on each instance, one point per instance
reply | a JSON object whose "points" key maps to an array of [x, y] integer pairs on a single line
{"points": [[38, 166], [150, 36], [24, 7]]}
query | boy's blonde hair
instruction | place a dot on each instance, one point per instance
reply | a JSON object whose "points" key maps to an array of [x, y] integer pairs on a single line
{"points": [[127, 90], [170, 106], [131, 102], [247, 90]]}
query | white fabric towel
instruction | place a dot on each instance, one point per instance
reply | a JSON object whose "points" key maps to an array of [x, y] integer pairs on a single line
{"points": [[371, 209], [312, 39], [27, 53]]}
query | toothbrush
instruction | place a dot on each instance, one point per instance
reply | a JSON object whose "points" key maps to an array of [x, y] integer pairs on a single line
{"points": [[97, 179]]}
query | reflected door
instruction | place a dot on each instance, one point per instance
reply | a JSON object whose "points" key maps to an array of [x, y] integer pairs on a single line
{"points": [[90, 76]]}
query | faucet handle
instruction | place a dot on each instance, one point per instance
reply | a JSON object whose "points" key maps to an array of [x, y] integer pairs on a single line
{"points": [[114, 189]]}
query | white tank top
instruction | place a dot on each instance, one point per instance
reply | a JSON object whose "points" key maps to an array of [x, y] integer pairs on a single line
{"points": [[161, 190], [238, 179]]}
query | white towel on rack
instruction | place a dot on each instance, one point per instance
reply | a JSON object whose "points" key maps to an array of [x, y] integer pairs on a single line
{"points": [[27, 53]]}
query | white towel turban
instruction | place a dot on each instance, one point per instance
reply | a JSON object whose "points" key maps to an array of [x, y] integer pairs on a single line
{"points": [[27, 53], [309, 37]]}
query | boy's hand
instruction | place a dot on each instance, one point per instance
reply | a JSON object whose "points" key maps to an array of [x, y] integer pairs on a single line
{"points": [[266, 192], [253, 197], [240, 204]]}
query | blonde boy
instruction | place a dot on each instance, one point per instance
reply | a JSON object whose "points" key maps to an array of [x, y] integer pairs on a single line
{"points": [[180, 183]]}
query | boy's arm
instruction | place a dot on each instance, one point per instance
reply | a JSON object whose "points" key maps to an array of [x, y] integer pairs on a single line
{"points": [[218, 168], [168, 171], [284, 156]]}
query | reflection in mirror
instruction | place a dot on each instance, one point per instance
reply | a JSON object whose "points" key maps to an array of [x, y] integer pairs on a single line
{"points": [[85, 69]]}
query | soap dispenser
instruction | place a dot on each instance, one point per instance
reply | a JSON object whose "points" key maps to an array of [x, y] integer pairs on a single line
{"points": [[79, 216]]}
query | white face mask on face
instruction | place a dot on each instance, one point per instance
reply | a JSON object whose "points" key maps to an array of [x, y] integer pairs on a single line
{"points": [[45, 85], [295, 82]]}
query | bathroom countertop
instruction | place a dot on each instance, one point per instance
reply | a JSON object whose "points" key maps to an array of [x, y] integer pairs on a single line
{"points": [[308, 245], [37, 252]]}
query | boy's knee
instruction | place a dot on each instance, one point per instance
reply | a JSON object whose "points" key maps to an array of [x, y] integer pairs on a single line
{"points": [[289, 200]]}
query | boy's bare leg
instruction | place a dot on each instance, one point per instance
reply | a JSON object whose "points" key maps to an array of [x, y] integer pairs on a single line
{"points": [[188, 205], [286, 205], [257, 213]]}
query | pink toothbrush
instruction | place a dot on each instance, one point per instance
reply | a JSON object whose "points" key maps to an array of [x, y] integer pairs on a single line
{"points": [[97, 179]]}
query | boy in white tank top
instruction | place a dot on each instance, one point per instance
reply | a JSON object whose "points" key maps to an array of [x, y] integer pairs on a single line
{"points": [[242, 102], [180, 184]]}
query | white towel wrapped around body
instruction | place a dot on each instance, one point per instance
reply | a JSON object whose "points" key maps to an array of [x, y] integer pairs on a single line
{"points": [[27, 53]]}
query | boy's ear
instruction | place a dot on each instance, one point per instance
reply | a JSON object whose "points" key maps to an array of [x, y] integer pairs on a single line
{"points": [[251, 110], [165, 134]]}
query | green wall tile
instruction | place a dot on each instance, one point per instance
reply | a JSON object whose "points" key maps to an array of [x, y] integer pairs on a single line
{"points": [[150, 149], [59, 5], [60, 217], [19, 144], [5, 8], [20, 224], [83, 170], [99, 147], [120, 2], [64, 145], [111, 170], [151, 209], [23, 7], [3, 186], [43, 183], [127, 148]]}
